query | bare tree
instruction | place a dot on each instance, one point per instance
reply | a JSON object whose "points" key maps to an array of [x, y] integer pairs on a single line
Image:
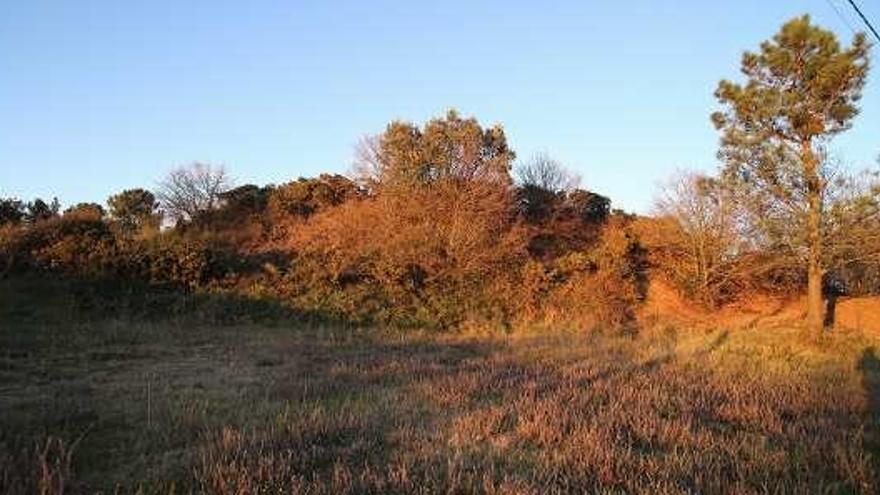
{"points": [[189, 190], [702, 256], [852, 220], [543, 171], [367, 166]]}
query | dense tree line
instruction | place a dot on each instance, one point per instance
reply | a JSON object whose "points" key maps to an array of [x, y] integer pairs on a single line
{"points": [[437, 226], [434, 231]]}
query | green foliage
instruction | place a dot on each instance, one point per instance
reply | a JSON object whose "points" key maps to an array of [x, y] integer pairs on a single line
{"points": [[12, 211], [169, 260], [249, 198], [305, 197], [588, 206], [446, 150], [561, 222], [801, 90], [237, 220], [537, 204], [800, 85], [72, 244], [38, 210], [84, 246], [134, 209], [90, 210]]}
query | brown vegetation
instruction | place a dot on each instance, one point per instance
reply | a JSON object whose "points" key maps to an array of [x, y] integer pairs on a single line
{"points": [[432, 233], [174, 407], [284, 338]]}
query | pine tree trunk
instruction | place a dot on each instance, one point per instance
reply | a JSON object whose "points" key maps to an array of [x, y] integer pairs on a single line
{"points": [[815, 271], [815, 313]]}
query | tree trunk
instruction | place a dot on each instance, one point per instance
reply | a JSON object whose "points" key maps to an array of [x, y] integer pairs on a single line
{"points": [[815, 316], [815, 270]]}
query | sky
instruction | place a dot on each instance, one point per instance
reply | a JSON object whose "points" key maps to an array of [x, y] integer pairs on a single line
{"points": [[99, 96]]}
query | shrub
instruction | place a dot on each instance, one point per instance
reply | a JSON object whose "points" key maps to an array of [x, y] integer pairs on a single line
{"points": [[75, 244]]}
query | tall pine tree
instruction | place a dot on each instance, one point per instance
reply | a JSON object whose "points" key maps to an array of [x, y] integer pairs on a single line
{"points": [[801, 90]]}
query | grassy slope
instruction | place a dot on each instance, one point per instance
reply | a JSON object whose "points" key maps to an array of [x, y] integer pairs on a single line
{"points": [[332, 410]]}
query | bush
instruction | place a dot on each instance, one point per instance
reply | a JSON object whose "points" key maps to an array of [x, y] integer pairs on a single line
{"points": [[86, 247], [76, 244]]}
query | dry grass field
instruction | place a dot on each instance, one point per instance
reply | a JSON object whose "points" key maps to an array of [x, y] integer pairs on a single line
{"points": [[108, 405]]}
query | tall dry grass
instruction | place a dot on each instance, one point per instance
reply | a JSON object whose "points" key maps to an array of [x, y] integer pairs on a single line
{"points": [[251, 409]]}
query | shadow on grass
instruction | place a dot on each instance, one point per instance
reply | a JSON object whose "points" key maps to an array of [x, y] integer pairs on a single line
{"points": [[348, 409], [869, 366], [41, 299], [156, 379]]}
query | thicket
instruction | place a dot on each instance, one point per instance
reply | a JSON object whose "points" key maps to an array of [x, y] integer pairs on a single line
{"points": [[434, 232], [437, 228]]}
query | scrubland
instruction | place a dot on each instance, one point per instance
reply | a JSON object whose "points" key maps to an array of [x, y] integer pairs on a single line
{"points": [[172, 405], [450, 317]]}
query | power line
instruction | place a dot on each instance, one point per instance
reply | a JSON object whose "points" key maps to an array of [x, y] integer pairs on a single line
{"points": [[840, 15], [865, 19]]}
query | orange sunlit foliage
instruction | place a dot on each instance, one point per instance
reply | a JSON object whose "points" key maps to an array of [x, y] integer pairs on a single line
{"points": [[431, 231]]}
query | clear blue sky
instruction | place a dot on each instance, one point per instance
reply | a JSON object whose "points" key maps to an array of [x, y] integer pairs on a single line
{"points": [[100, 96]]}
